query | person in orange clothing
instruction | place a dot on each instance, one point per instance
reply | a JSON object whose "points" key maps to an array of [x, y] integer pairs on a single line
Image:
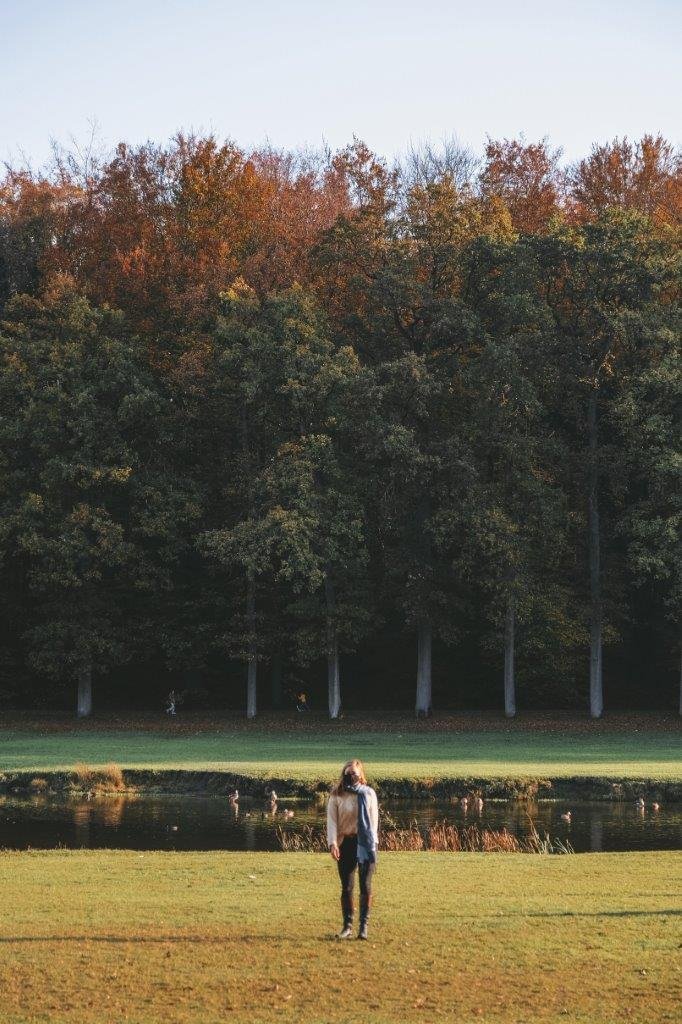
{"points": [[352, 838]]}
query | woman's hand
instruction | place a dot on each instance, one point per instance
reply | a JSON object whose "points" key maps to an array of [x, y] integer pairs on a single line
{"points": [[334, 850]]}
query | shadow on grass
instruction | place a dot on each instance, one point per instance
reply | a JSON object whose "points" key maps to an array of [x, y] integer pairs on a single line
{"points": [[242, 938]]}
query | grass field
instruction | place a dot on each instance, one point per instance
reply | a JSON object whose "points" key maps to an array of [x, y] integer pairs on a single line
{"points": [[93, 936], [310, 757]]}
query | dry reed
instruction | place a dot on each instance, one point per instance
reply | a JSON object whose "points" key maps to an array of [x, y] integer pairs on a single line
{"points": [[99, 779], [441, 836]]}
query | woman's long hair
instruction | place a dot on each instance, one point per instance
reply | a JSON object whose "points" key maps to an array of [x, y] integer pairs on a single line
{"points": [[358, 766]]}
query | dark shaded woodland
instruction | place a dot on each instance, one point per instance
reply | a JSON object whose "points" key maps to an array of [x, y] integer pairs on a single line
{"points": [[395, 436]]}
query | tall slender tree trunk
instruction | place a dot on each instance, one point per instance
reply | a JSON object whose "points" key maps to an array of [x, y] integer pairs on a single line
{"points": [[424, 643], [509, 678], [84, 694], [276, 680], [424, 626], [596, 688], [333, 666], [252, 665], [681, 682]]}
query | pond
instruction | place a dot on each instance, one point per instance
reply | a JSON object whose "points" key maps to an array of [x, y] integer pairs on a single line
{"points": [[212, 823]]}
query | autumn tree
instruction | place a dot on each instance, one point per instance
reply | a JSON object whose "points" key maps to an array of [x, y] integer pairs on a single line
{"points": [[397, 262], [644, 176], [161, 231], [527, 177], [651, 521], [506, 528], [603, 281], [75, 397], [288, 511], [31, 212]]}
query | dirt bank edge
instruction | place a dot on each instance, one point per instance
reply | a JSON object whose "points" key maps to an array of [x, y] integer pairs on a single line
{"points": [[168, 781]]}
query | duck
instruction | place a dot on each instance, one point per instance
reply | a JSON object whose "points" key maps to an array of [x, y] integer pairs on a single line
{"points": [[566, 816], [287, 814]]}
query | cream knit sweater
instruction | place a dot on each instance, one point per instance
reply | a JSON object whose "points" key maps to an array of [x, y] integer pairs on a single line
{"points": [[342, 816]]}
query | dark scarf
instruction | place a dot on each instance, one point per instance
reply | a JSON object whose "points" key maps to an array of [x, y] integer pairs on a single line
{"points": [[367, 837]]}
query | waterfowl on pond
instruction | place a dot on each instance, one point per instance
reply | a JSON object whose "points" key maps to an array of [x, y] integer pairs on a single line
{"points": [[566, 816]]}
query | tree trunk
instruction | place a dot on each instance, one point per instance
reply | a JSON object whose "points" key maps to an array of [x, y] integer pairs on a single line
{"points": [[424, 627], [596, 689], [424, 640], [84, 697], [252, 667], [509, 681], [276, 680], [681, 682], [333, 667]]}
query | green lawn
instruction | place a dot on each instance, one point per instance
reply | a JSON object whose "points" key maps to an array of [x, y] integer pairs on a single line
{"points": [[310, 757], [109, 936]]}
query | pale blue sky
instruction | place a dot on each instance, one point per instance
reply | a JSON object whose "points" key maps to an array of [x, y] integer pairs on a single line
{"points": [[302, 72]]}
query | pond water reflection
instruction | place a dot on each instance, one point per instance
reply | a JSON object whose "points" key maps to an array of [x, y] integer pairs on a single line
{"points": [[212, 823]]}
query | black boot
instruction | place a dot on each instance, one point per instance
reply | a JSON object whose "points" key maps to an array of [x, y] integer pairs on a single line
{"points": [[365, 906], [348, 910]]}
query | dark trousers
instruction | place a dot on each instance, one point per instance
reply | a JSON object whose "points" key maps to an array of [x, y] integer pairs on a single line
{"points": [[347, 863]]}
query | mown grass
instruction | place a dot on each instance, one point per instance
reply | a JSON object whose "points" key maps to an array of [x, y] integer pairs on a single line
{"points": [[92, 936], [310, 757]]}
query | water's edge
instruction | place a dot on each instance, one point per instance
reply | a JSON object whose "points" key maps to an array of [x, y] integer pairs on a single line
{"points": [[151, 781]]}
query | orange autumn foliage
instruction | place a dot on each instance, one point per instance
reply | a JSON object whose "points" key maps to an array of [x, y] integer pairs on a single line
{"points": [[526, 177], [300, 197], [160, 232], [644, 176], [32, 208]]}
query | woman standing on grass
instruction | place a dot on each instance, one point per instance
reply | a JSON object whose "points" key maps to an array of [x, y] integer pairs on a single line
{"points": [[352, 838]]}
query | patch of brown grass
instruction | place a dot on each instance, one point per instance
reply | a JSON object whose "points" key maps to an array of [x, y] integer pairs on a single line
{"points": [[92, 937], [99, 779]]}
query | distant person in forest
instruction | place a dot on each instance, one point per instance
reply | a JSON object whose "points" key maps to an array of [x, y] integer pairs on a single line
{"points": [[352, 838]]}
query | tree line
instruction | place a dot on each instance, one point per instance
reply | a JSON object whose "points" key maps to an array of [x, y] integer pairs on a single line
{"points": [[263, 408]]}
